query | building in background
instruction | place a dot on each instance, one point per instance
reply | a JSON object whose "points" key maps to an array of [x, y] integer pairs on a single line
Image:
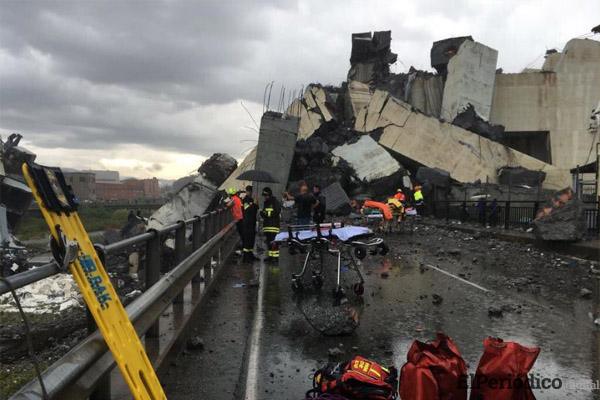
{"points": [[83, 184], [106, 176], [100, 185], [129, 189]]}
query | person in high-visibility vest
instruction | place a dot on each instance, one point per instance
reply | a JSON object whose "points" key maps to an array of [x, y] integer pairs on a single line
{"points": [[419, 199], [271, 218]]}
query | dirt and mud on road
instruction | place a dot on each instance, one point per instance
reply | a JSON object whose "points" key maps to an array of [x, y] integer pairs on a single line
{"points": [[469, 287], [263, 341]]}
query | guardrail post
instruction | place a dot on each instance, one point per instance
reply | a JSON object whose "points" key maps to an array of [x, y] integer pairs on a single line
{"points": [[153, 273], [214, 217], [223, 218], [507, 215], [102, 390], [205, 229], [179, 252], [536, 207], [197, 235]]}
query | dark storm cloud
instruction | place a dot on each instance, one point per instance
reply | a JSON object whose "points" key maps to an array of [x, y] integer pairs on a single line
{"points": [[83, 74], [169, 75], [172, 47]]}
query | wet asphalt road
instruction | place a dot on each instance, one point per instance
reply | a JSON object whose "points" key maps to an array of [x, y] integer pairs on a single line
{"points": [[277, 344]]}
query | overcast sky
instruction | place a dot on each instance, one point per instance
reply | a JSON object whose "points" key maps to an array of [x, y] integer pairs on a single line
{"points": [[151, 88]]}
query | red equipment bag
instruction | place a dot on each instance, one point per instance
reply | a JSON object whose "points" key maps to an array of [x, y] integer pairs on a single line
{"points": [[434, 371], [502, 371], [357, 379]]}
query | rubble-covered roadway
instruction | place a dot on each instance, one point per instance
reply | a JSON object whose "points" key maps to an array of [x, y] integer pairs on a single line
{"points": [[468, 286]]}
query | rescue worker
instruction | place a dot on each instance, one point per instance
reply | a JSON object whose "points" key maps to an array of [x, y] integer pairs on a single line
{"points": [[305, 203], [400, 196], [271, 218], [419, 200], [321, 207], [235, 204], [250, 210]]}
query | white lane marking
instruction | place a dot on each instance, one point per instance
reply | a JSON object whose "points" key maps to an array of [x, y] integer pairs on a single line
{"points": [[257, 326], [458, 277]]}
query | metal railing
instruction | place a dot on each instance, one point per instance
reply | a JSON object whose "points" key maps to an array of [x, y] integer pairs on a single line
{"points": [[86, 369], [507, 214]]}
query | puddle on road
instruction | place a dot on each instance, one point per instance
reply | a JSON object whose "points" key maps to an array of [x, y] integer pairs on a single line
{"points": [[399, 308]]}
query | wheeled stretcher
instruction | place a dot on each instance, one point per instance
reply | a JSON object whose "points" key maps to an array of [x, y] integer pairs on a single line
{"points": [[343, 242]]}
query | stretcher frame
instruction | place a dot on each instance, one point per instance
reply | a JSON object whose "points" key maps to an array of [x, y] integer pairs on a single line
{"points": [[342, 250]]}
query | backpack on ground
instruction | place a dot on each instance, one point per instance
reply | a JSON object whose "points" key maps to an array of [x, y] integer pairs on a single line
{"points": [[358, 379]]}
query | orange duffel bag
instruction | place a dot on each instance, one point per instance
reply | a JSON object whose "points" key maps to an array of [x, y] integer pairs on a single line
{"points": [[434, 371], [502, 371]]}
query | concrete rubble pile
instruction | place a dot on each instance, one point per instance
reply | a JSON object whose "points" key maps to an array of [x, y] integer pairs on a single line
{"points": [[379, 131], [14, 202], [562, 219]]}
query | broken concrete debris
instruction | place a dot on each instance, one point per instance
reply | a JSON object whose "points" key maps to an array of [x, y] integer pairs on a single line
{"points": [[470, 78], [515, 176], [198, 196], [336, 200], [443, 50], [369, 160], [433, 176], [561, 219], [248, 163], [471, 121], [217, 168], [371, 56], [370, 134], [15, 200], [314, 110], [432, 143]]}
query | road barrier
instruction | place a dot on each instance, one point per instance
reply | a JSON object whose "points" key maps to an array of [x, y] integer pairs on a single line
{"points": [[85, 370], [508, 214]]}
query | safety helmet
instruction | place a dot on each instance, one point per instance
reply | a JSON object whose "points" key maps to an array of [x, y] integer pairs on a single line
{"points": [[231, 191], [399, 190]]}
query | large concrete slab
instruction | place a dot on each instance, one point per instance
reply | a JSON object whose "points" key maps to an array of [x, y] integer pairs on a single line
{"points": [[470, 79], [358, 95], [190, 201], [275, 150], [313, 110], [428, 141], [369, 160]]}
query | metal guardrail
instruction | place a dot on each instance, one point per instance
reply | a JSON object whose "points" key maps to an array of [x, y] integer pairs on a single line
{"points": [[509, 214], [85, 370]]}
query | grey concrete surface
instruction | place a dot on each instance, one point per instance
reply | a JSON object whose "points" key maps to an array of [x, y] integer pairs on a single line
{"points": [[539, 291], [216, 370]]}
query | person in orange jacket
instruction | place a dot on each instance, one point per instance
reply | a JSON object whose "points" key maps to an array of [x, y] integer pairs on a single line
{"points": [[235, 204]]}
